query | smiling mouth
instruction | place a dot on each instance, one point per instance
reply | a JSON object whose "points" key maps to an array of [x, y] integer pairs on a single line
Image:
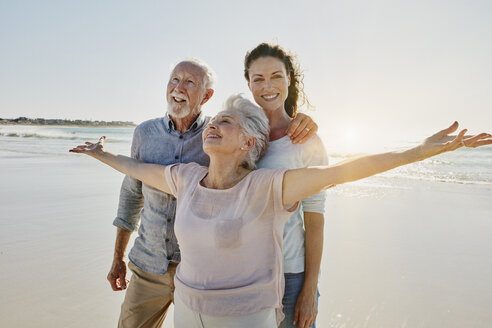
{"points": [[270, 97], [179, 100], [212, 136]]}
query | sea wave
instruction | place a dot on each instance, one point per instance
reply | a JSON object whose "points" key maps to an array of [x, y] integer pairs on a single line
{"points": [[436, 178], [112, 139], [35, 135]]}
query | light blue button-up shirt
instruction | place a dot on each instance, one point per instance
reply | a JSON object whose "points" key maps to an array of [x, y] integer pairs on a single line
{"points": [[157, 141]]}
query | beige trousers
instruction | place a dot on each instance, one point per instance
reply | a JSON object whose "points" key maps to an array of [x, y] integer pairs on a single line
{"points": [[147, 298]]}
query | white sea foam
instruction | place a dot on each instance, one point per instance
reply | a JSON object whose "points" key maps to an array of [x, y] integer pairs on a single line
{"points": [[48, 140], [65, 133]]}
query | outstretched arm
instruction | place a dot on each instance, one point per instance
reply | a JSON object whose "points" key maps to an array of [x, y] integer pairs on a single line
{"points": [[150, 174], [301, 183]]}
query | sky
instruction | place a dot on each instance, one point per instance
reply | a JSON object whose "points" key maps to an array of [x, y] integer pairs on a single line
{"points": [[373, 69]]}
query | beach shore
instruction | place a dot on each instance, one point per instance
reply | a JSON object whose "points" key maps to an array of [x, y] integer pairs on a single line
{"points": [[412, 256]]}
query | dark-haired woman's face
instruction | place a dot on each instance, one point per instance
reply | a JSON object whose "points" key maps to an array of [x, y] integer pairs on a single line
{"points": [[269, 83]]}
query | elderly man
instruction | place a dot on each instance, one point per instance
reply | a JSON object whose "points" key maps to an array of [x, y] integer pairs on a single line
{"points": [[176, 138]]}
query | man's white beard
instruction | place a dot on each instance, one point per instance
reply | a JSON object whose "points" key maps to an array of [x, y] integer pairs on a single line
{"points": [[178, 112]]}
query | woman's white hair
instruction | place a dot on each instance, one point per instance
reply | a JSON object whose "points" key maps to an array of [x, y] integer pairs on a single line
{"points": [[254, 123]]}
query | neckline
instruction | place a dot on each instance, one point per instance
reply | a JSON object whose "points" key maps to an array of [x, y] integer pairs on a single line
{"points": [[220, 190]]}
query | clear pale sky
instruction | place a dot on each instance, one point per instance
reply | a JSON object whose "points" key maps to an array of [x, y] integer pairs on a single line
{"points": [[384, 66]]}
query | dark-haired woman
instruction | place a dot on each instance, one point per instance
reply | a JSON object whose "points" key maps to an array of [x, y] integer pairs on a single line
{"points": [[276, 84]]}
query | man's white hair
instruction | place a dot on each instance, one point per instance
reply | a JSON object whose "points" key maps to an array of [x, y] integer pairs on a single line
{"points": [[254, 123], [210, 75]]}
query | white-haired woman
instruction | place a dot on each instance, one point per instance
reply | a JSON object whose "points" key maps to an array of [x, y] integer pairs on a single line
{"points": [[229, 217]]}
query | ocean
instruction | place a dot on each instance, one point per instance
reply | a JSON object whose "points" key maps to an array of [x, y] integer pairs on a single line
{"points": [[407, 248], [466, 166]]}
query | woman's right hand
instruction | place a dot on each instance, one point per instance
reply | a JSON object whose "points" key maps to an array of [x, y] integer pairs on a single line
{"points": [[91, 149]]}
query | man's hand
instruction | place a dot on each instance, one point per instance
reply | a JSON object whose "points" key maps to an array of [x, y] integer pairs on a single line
{"points": [[306, 309], [117, 275], [301, 128]]}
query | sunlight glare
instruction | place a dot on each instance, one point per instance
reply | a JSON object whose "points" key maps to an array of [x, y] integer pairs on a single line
{"points": [[350, 135]]}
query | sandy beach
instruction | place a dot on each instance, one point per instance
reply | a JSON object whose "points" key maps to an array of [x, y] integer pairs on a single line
{"points": [[416, 254], [408, 248]]}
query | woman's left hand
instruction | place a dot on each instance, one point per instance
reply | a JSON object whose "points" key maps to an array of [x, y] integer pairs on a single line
{"points": [[91, 149], [442, 141], [301, 128], [306, 309]]}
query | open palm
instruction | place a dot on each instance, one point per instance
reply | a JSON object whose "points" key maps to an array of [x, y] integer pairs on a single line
{"points": [[442, 141], [89, 148]]}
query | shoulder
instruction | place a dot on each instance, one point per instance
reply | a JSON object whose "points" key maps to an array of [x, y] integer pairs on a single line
{"points": [[282, 145], [311, 146], [313, 142], [180, 173], [188, 169], [313, 152], [148, 130], [266, 175], [192, 166], [150, 124], [285, 144], [181, 177]]}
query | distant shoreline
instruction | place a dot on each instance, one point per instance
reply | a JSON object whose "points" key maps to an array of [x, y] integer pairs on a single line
{"points": [[60, 122]]}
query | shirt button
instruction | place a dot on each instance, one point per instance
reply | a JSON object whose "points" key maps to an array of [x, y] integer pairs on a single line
{"points": [[167, 240], [168, 220], [180, 137], [176, 157], [169, 258]]}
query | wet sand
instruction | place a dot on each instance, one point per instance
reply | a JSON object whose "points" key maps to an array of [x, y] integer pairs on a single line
{"points": [[418, 256]]}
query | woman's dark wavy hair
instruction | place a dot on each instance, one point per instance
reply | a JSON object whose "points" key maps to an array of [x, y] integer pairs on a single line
{"points": [[296, 93]]}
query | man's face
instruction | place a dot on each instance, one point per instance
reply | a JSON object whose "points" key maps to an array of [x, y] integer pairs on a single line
{"points": [[185, 90]]}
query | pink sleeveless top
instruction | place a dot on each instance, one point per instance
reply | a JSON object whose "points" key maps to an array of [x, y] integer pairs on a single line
{"points": [[230, 242]]}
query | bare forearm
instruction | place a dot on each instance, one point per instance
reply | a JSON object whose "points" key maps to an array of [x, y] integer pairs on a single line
{"points": [[302, 183], [150, 174], [117, 273], [366, 166], [306, 305], [122, 239], [314, 224], [124, 164]]}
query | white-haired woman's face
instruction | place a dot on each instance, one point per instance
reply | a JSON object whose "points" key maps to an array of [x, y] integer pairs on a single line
{"points": [[269, 83], [224, 134]]}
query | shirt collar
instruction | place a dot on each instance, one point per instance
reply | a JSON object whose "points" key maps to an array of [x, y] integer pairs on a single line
{"points": [[200, 120]]}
